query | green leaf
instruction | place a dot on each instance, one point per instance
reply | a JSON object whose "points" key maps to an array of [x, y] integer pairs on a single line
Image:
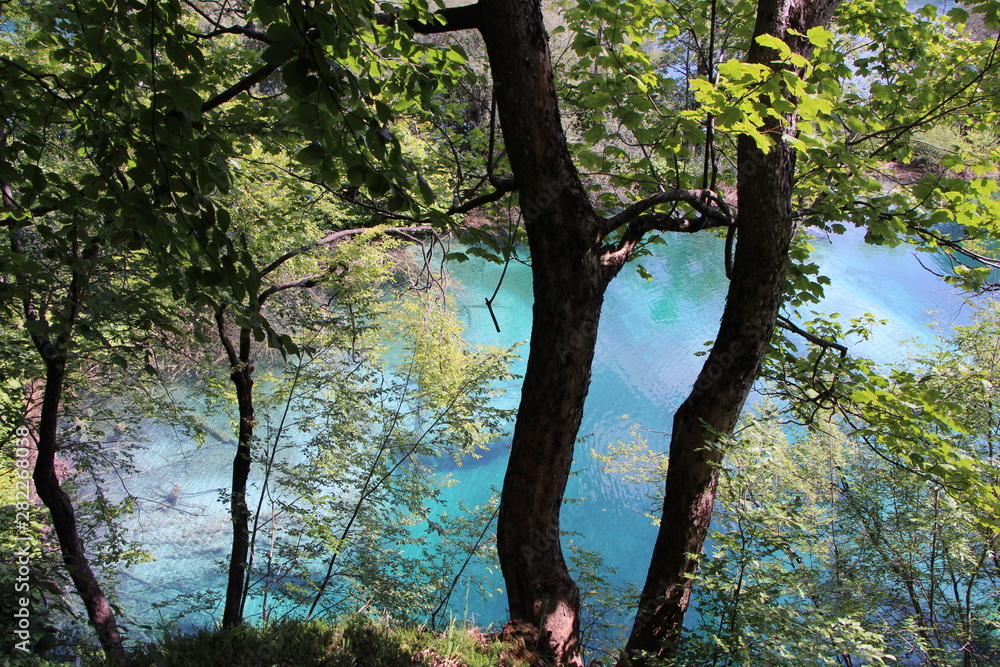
{"points": [[279, 53], [772, 42], [958, 15], [820, 36], [425, 190], [311, 155]]}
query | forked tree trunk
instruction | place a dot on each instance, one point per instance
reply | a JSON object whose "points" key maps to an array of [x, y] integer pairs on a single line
{"points": [[710, 412], [572, 265]]}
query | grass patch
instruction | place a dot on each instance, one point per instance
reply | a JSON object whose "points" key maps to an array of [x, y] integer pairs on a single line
{"points": [[356, 641]]}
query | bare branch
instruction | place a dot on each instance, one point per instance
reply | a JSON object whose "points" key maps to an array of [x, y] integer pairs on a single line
{"points": [[503, 187], [233, 30], [220, 322], [986, 260], [701, 201], [712, 209], [305, 283]]}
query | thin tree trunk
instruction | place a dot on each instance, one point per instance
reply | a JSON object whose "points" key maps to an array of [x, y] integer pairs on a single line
{"points": [[232, 614], [710, 412], [53, 354], [61, 509], [242, 377]]}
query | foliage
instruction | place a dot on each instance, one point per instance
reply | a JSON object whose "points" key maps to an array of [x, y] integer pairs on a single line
{"points": [[920, 415], [345, 507], [776, 587], [362, 491], [657, 96], [635, 462], [837, 541], [876, 537], [605, 601], [355, 640], [24, 539], [939, 141], [166, 154], [123, 125]]}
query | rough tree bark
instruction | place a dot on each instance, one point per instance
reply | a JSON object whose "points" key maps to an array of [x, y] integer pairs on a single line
{"points": [[569, 286], [765, 228], [61, 509]]}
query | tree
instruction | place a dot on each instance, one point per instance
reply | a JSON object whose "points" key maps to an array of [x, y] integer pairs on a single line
{"points": [[837, 542], [118, 123], [159, 127], [71, 317], [573, 260], [778, 108], [757, 283], [240, 354]]}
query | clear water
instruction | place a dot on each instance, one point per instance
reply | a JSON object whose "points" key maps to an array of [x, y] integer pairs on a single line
{"points": [[644, 366], [645, 362]]}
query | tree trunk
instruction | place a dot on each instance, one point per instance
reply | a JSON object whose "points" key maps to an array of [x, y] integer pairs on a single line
{"points": [[232, 614], [53, 354], [710, 412], [61, 508], [571, 268], [564, 331], [242, 377], [569, 285]]}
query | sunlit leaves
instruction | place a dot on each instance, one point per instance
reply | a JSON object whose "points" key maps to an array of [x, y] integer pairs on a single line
{"points": [[910, 414]]}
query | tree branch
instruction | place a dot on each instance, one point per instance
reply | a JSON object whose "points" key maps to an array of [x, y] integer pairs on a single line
{"points": [[503, 187], [221, 29], [305, 283], [713, 212], [701, 201], [452, 19], [617, 255], [333, 237], [788, 325], [986, 260], [243, 85], [220, 322], [233, 30]]}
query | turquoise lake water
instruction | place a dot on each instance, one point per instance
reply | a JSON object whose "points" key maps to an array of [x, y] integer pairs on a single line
{"points": [[644, 366], [645, 363]]}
